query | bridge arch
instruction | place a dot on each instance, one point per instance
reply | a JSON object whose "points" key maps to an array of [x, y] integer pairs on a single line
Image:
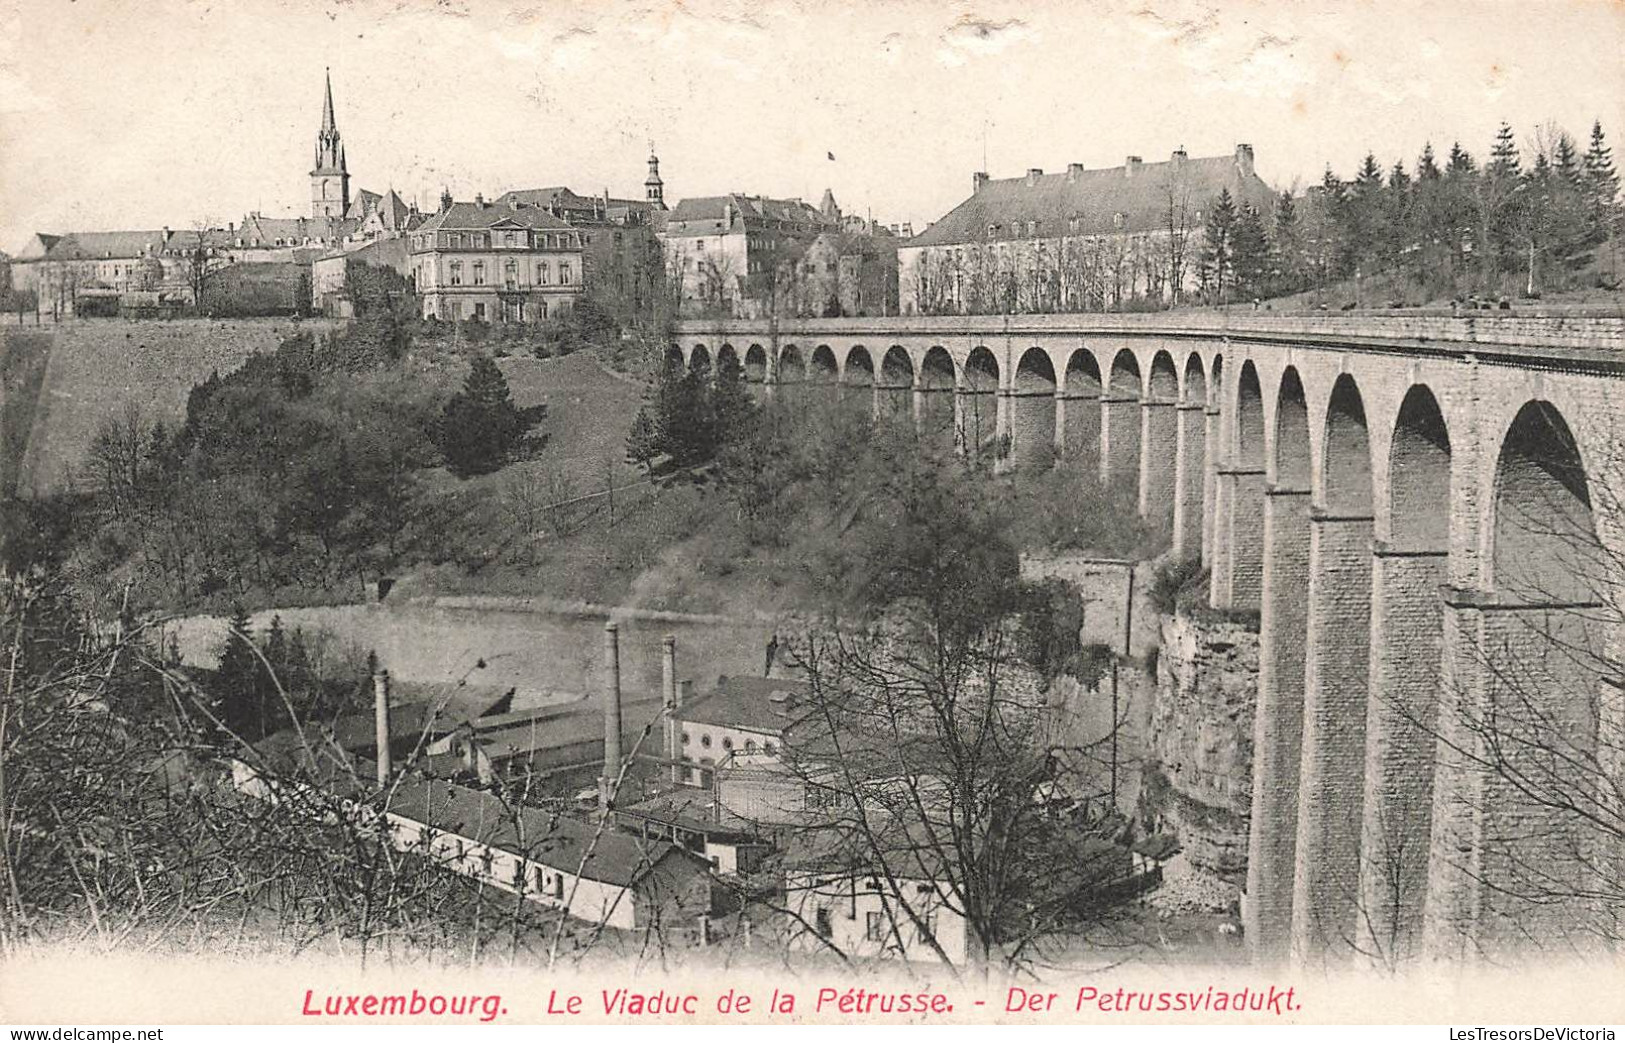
{"points": [[726, 357], [1033, 422], [791, 374], [699, 362], [1278, 719], [1337, 683], [979, 395], [675, 358], [939, 400], [756, 364], [857, 367], [1081, 393], [1159, 438], [1239, 567], [822, 369], [1191, 455], [1543, 647], [1120, 422], [1407, 626], [896, 383]]}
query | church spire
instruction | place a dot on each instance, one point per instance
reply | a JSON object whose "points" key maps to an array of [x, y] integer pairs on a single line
{"points": [[330, 178], [328, 126]]}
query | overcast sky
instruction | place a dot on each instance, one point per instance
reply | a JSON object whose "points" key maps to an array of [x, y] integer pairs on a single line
{"points": [[150, 112]]}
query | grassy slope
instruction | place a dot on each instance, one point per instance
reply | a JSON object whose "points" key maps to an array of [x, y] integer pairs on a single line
{"points": [[24, 358], [101, 367]]}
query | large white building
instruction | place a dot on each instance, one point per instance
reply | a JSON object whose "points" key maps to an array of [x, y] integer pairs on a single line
{"points": [[1079, 240]]}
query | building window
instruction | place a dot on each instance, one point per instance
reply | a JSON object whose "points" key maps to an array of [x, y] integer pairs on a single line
{"points": [[479, 310], [564, 273], [457, 273], [558, 886], [770, 749], [874, 927], [727, 743], [750, 745], [541, 273], [685, 738], [479, 273], [510, 273], [926, 932], [822, 922], [705, 740]]}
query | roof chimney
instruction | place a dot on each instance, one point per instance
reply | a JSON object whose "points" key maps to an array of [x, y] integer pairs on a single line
{"points": [[612, 715], [1034, 173], [380, 720], [1244, 159], [668, 690], [1130, 165], [977, 180], [1179, 155], [479, 200], [1072, 171]]}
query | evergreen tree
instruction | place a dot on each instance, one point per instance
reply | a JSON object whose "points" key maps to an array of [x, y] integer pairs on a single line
{"points": [[1286, 247], [685, 426], [480, 426], [1218, 260], [1399, 214], [1250, 250], [1498, 205], [1365, 222], [1461, 206], [642, 443], [731, 404], [1601, 187], [1430, 229], [238, 678]]}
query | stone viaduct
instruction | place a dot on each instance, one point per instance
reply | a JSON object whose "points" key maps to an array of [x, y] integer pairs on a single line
{"points": [[1421, 509]]}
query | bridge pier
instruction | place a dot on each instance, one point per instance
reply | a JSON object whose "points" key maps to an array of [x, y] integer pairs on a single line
{"points": [[1119, 438], [1330, 785], [1238, 548], [1407, 620], [1190, 470], [1210, 482], [1278, 723], [1060, 422], [1159, 462]]}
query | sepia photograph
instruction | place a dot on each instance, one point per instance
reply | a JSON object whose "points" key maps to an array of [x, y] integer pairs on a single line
{"points": [[808, 512]]}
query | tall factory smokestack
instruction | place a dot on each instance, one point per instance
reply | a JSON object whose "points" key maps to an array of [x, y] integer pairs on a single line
{"points": [[612, 713], [380, 715], [668, 690]]}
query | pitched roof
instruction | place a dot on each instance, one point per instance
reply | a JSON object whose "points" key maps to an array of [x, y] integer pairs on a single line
{"points": [[553, 840], [474, 215], [521, 734], [691, 808], [758, 704], [83, 245], [710, 215], [362, 204], [566, 199], [1095, 198], [259, 230]]}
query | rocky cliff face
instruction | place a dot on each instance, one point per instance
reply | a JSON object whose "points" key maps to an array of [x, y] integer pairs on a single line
{"points": [[1197, 780]]}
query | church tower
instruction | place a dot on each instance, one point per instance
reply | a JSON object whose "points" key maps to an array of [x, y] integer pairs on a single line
{"points": [[329, 181], [654, 189]]}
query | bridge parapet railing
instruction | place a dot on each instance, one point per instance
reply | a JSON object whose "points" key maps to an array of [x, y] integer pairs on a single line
{"points": [[1546, 328]]}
